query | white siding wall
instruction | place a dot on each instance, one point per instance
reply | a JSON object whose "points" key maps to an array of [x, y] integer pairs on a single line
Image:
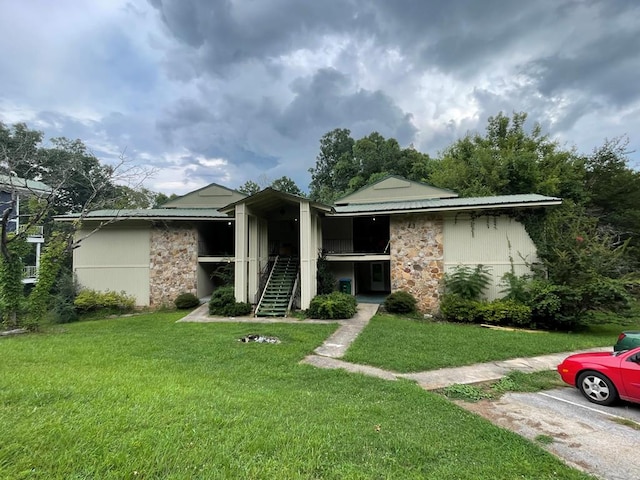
{"points": [[495, 242], [115, 259]]}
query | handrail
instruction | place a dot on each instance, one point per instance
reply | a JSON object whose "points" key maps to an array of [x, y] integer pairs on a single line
{"points": [[293, 292], [264, 290]]}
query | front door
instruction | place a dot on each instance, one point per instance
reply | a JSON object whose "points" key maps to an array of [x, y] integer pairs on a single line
{"points": [[377, 276]]}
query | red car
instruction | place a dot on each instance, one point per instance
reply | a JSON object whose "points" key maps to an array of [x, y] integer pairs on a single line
{"points": [[604, 377]]}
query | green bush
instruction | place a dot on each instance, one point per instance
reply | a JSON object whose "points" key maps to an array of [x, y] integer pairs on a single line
{"points": [[505, 312], [223, 303], [93, 300], [466, 282], [66, 289], [454, 308], [186, 300], [335, 305], [400, 302], [516, 287]]}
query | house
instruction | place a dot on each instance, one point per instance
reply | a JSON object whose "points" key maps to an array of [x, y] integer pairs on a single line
{"points": [[12, 187], [392, 235]]}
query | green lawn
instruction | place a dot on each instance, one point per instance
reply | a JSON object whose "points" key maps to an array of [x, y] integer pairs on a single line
{"points": [[146, 398], [405, 345]]}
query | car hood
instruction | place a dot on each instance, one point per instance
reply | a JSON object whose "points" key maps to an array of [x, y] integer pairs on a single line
{"points": [[589, 355]]}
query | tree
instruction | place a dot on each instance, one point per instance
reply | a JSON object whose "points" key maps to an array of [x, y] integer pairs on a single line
{"points": [[509, 160], [160, 199], [250, 187], [76, 181], [335, 166], [344, 165], [614, 193], [286, 185]]}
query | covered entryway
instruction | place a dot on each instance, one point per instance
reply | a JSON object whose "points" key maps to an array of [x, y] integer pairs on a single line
{"points": [[271, 226]]}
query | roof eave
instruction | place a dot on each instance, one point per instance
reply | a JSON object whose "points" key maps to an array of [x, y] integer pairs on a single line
{"points": [[67, 218], [547, 203]]}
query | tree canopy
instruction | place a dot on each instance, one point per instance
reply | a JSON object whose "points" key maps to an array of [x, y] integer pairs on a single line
{"points": [[600, 191], [344, 165]]}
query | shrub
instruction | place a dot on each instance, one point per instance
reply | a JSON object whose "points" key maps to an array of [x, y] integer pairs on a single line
{"points": [[93, 300], [223, 303], [63, 310], [332, 306], [515, 287], [186, 300], [400, 302], [326, 282], [466, 282], [505, 312], [454, 308]]}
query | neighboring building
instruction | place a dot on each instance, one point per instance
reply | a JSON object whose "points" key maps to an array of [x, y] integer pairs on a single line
{"points": [[23, 189], [392, 235]]}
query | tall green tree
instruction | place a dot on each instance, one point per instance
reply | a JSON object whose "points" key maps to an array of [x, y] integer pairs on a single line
{"points": [[286, 185], [345, 165], [78, 182], [508, 159], [249, 187], [614, 193], [335, 166]]}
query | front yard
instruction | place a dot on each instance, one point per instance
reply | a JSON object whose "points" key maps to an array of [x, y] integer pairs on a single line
{"points": [[146, 398], [405, 345]]}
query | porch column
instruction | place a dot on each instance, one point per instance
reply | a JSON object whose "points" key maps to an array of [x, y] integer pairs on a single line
{"points": [[308, 255], [241, 249], [263, 244], [253, 258]]}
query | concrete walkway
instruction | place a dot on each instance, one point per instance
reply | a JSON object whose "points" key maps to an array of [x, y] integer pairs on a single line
{"points": [[329, 354]]}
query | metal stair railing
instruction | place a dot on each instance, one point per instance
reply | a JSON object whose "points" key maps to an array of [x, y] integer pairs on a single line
{"points": [[293, 291], [264, 289]]}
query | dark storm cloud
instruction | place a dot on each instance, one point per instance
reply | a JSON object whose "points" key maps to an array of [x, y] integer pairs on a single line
{"points": [[329, 100], [229, 90], [607, 67], [223, 32]]}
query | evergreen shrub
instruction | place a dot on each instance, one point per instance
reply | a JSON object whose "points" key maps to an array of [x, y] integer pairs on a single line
{"points": [[223, 303], [92, 300], [332, 306], [186, 300], [400, 302]]}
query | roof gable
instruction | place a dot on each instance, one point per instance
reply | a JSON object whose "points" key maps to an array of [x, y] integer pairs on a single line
{"points": [[395, 189], [211, 196]]}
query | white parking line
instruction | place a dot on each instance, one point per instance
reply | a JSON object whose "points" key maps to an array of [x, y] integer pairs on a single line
{"points": [[581, 406]]}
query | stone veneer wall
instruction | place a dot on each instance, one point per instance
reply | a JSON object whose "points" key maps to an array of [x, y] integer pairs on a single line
{"points": [[417, 257], [173, 263]]}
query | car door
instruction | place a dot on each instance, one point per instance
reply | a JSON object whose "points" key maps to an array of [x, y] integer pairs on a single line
{"points": [[630, 373]]}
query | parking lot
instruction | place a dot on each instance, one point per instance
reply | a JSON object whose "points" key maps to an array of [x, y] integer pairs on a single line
{"points": [[603, 441]]}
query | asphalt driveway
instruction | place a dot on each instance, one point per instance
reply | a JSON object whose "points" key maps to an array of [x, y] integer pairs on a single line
{"points": [[604, 441]]}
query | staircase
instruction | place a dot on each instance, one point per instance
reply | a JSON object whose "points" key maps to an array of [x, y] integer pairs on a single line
{"points": [[276, 297]]}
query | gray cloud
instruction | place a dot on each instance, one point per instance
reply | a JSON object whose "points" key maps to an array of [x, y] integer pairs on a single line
{"points": [[226, 91]]}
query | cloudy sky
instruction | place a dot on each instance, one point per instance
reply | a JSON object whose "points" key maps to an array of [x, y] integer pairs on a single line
{"points": [[227, 91]]}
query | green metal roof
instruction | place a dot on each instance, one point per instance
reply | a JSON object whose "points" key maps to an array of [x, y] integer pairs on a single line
{"points": [[449, 204], [24, 184], [150, 214]]}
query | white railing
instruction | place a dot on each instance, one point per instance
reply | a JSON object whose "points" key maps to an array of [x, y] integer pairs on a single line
{"points": [[30, 271], [34, 231]]}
